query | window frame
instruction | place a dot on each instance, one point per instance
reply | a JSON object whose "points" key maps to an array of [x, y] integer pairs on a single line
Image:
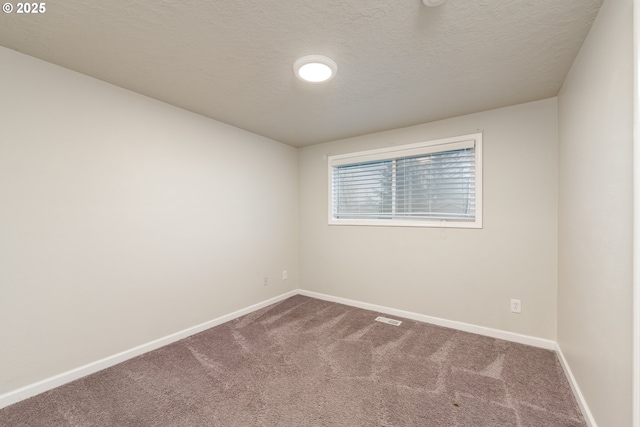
{"points": [[399, 151]]}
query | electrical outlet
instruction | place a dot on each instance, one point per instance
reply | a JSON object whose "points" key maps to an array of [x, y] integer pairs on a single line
{"points": [[516, 306], [285, 275], [265, 281]]}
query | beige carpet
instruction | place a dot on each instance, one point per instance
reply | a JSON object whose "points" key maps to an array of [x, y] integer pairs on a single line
{"points": [[306, 362]]}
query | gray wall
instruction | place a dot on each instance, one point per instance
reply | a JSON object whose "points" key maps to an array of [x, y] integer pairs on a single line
{"points": [[595, 215], [465, 275], [124, 219]]}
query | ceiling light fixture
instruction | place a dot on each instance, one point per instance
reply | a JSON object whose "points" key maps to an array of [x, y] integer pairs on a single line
{"points": [[315, 68], [432, 2]]}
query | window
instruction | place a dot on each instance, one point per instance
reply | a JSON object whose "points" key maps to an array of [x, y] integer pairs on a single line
{"points": [[429, 184]]}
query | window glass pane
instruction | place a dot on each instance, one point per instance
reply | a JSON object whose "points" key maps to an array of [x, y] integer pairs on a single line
{"points": [[362, 190], [428, 184], [436, 186]]}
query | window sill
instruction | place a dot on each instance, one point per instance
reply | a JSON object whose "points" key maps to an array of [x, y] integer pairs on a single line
{"points": [[477, 224]]}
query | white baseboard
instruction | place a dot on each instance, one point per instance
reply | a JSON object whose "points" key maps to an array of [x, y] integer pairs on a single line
{"points": [[588, 416], [461, 326], [90, 368]]}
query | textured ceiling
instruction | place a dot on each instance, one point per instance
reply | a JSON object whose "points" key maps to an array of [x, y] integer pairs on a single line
{"points": [[399, 62]]}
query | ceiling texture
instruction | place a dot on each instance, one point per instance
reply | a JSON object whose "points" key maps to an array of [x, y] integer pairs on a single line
{"points": [[400, 62]]}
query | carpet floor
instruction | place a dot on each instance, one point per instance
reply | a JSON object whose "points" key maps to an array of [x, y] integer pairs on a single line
{"points": [[307, 362]]}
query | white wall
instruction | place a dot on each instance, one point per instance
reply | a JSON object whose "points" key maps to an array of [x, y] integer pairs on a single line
{"points": [[458, 274], [595, 215], [123, 219]]}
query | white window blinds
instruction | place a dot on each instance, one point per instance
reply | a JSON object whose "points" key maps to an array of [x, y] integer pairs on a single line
{"points": [[419, 184]]}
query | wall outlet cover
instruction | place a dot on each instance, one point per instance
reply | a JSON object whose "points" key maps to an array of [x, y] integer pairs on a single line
{"points": [[516, 306]]}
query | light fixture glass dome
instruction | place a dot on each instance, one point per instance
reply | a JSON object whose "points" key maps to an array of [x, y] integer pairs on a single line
{"points": [[315, 68]]}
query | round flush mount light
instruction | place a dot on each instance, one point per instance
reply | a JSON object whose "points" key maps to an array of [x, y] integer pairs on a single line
{"points": [[315, 68], [432, 2]]}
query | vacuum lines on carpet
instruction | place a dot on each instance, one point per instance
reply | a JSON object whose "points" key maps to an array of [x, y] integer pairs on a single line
{"points": [[307, 362]]}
